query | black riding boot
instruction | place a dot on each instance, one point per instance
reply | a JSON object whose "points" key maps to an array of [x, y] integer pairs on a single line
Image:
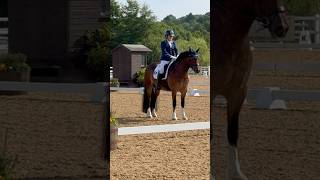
{"points": [[158, 81]]}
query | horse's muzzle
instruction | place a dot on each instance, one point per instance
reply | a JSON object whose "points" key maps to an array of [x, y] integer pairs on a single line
{"points": [[279, 25], [195, 69]]}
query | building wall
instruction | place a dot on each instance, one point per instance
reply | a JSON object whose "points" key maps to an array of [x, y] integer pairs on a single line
{"points": [[47, 30], [121, 64], [38, 28], [137, 61], [83, 15]]}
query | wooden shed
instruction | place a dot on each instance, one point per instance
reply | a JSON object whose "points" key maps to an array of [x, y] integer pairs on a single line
{"points": [[127, 59], [46, 31]]}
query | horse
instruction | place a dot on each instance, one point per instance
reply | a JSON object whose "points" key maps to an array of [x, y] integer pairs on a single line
{"points": [[232, 60], [177, 81]]}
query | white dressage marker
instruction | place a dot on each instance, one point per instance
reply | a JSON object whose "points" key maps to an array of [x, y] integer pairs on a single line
{"points": [[163, 128]]}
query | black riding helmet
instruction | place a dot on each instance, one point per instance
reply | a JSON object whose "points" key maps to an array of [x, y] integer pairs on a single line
{"points": [[169, 32]]}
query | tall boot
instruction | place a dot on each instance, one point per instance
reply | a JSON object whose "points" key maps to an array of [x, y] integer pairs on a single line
{"points": [[158, 81]]}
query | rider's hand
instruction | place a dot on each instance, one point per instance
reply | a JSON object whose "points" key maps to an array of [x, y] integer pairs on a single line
{"points": [[173, 57]]}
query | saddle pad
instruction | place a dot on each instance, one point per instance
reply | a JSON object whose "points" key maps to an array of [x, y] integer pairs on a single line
{"points": [[167, 70]]}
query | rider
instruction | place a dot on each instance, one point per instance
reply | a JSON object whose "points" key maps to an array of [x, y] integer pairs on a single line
{"points": [[169, 52]]}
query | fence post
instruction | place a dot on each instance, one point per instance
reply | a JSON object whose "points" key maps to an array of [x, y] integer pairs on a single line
{"points": [[317, 28]]}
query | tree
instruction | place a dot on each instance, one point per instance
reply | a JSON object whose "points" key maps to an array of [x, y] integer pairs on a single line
{"points": [[169, 19], [302, 8], [129, 22]]}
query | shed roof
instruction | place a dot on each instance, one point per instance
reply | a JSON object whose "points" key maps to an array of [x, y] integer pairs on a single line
{"points": [[134, 47]]}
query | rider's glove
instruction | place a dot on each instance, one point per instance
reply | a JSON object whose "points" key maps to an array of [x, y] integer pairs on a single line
{"points": [[173, 57]]}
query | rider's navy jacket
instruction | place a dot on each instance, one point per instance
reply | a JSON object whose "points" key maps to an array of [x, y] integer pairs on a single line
{"points": [[168, 51]]}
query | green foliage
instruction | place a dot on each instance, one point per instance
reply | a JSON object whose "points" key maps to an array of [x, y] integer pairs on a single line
{"points": [[135, 24], [302, 8], [114, 82], [97, 51], [129, 22], [6, 167], [139, 77], [113, 120], [14, 62], [97, 58]]}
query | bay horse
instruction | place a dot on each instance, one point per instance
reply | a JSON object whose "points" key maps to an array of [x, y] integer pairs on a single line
{"points": [[232, 60], [177, 81]]}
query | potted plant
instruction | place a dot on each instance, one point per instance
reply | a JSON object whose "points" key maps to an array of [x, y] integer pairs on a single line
{"points": [[114, 82], [138, 78], [13, 67], [113, 132]]}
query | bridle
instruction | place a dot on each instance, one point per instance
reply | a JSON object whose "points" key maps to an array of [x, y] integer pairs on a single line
{"points": [[267, 21], [194, 56]]}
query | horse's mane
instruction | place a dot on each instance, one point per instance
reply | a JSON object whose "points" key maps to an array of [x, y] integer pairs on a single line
{"points": [[182, 56]]}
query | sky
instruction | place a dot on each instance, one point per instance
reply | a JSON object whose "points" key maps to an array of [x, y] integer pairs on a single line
{"points": [[178, 8]]}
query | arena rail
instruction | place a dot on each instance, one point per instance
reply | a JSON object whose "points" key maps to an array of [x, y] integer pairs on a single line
{"points": [[163, 128]]}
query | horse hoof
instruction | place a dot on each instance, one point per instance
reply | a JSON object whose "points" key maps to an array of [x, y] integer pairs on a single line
{"points": [[174, 118], [185, 118], [149, 116], [154, 115]]}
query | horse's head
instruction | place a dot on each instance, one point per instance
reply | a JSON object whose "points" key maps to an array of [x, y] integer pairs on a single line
{"points": [[192, 60], [273, 16]]}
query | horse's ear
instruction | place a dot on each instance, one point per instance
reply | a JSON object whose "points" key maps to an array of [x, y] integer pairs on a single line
{"points": [[197, 50]]}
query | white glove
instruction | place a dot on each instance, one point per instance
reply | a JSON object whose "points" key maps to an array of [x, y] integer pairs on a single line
{"points": [[173, 57]]}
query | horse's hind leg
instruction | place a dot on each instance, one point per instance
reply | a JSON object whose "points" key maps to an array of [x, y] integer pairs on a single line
{"points": [[154, 97], [149, 98], [233, 110], [183, 95], [174, 103]]}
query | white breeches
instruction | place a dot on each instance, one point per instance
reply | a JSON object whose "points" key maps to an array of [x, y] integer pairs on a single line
{"points": [[160, 68]]}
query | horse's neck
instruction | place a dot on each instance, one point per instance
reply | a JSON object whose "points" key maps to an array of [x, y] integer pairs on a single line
{"points": [[179, 69], [230, 33], [232, 28]]}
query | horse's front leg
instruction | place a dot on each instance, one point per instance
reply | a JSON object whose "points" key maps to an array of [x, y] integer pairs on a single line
{"points": [[233, 110], [174, 103], [183, 95]]}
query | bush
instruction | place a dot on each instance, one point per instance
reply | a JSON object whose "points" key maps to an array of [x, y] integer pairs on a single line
{"points": [[97, 51], [97, 61], [139, 77], [6, 166], [114, 82], [14, 63], [113, 121]]}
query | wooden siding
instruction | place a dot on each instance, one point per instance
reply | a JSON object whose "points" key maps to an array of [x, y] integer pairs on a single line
{"points": [[121, 64], [38, 28], [83, 15], [136, 62]]}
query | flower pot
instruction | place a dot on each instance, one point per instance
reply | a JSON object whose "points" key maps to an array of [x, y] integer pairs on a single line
{"points": [[113, 137], [14, 76]]}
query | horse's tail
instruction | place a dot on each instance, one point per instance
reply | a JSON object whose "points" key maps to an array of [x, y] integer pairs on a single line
{"points": [[145, 100]]}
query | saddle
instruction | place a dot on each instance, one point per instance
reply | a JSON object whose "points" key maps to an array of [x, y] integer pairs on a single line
{"points": [[166, 70]]}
